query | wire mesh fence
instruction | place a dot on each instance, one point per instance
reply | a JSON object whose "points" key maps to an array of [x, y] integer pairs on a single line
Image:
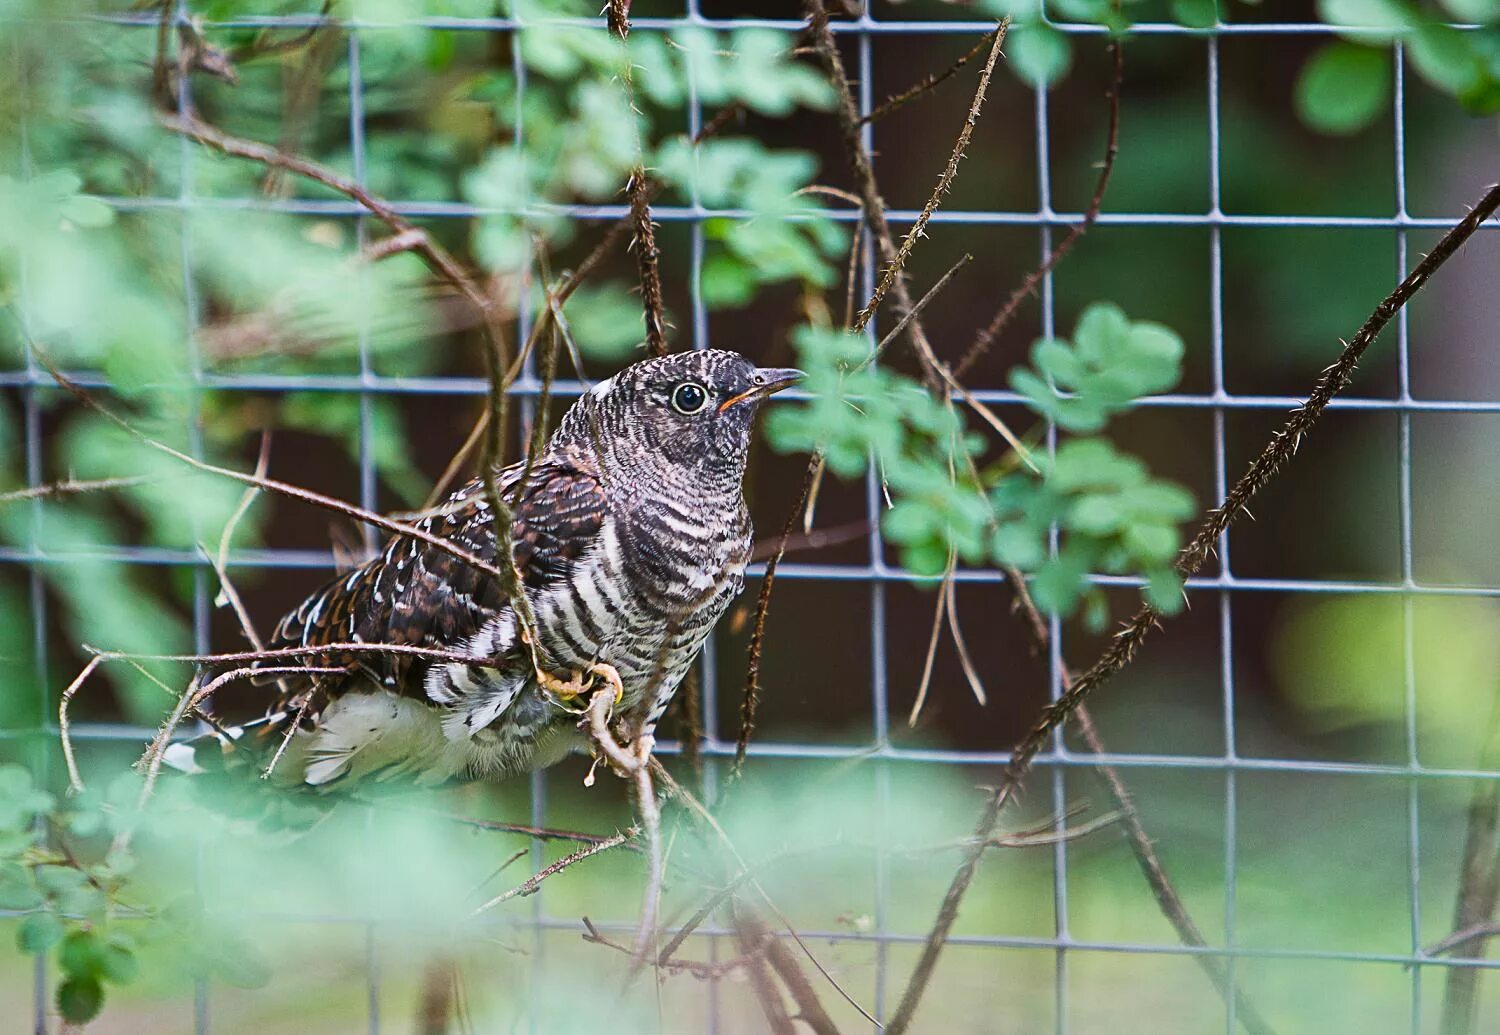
{"points": [[1401, 776]]}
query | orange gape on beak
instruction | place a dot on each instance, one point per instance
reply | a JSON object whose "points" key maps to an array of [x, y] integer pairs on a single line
{"points": [[766, 381]]}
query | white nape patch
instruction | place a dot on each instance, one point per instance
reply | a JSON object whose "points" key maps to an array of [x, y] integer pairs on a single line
{"points": [[600, 390], [183, 757]]}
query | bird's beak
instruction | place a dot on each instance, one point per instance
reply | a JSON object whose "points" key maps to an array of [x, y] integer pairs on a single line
{"points": [[765, 381]]}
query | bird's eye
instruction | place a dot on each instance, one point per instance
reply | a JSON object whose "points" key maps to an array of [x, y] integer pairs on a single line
{"points": [[689, 397]]}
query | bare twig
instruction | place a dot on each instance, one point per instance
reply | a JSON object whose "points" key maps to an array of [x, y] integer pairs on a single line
{"points": [[227, 594], [648, 259], [1276, 453], [539, 833], [436, 256], [986, 337], [1459, 939], [75, 782], [701, 811], [263, 46], [915, 311], [896, 263], [809, 1010], [932, 641], [305, 495], [1478, 887], [697, 968], [531, 885], [635, 765], [928, 83], [1141, 844], [617, 14], [864, 173], [433, 653], [971, 673], [751, 935], [161, 78], [751, 698], [436, 1003], [72, 487]]}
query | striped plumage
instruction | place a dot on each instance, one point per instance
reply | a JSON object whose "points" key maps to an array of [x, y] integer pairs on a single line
{"points": [[631, 536]]}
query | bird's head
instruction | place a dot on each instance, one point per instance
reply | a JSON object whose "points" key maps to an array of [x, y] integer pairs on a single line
{"points": [[691, 411]]}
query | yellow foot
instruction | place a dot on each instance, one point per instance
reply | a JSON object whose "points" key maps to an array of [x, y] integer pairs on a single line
{"points": [[610, 675], [566, 689]]}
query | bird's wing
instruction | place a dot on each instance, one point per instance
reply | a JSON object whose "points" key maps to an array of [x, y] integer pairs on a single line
{"points": [[416, 594]]}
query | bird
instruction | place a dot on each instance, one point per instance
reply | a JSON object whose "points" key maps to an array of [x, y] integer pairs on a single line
{"points": [[630, 537]]}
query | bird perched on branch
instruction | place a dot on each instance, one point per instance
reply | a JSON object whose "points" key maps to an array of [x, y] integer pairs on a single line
{"points": [[630, 538]]}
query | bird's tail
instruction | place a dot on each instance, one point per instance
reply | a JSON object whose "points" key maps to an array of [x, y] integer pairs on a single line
{"points": [[221, 748], [226, 764]]}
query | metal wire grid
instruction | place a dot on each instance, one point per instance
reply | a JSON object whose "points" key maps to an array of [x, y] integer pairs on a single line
{"points": [[876, 573]]}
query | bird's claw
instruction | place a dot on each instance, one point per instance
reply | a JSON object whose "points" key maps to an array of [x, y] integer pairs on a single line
{"points": [[610, 675], [579, 683]]}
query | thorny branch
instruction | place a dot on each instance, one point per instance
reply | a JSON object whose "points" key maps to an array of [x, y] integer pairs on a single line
{"points": [[896, 264], [531, 885], [893, 281], [72, 487], [1126, 642], [864, 172], [648, 258], [1141, 845], [986, 337], [930, 82], [1478, 887]]}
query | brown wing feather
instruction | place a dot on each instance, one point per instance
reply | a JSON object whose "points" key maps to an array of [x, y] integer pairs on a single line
{"points": [[416, 594]]}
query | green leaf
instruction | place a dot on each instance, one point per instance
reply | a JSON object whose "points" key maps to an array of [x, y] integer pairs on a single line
{"points": [[236, 962], [1095, 609], [1445, 58], [1482, 96], [1164, 591], [17, 889], [1151, 543], [1384, 18], [1097, 515], [1039, 54], [80, 954], [1477, 11], [1059, 582], [1110, 363], [1161, 501], [1343, 88], [1196, 14], [79, 999], [15, 782], [1019, 546], [55, 880], [118, 964], [39, 932], [86, 212]]}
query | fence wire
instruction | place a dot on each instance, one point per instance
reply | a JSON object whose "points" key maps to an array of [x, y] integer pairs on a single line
{"points": [[876, 574]]}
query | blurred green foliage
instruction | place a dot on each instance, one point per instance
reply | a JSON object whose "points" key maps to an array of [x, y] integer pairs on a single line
{"points": [[106, 289], [1454, 45], [1111, 515]]}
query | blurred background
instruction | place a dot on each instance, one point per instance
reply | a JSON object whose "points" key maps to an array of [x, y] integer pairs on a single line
{"points": [[1303, 742]]}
